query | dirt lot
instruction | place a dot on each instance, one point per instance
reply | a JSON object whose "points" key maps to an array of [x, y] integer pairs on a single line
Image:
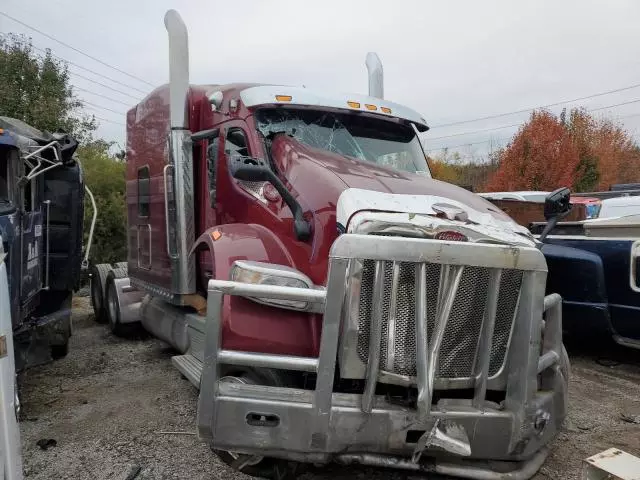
{"points": [[108, 403]]}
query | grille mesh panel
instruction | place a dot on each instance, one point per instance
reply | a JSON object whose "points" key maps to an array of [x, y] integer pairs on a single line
{"points": [[458, 350]]}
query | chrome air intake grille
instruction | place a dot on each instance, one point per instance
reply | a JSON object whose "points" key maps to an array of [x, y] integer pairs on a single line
{"points": [[458, 351]]}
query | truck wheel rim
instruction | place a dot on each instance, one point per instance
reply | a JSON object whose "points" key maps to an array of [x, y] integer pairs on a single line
{"points": [[250, 460]]}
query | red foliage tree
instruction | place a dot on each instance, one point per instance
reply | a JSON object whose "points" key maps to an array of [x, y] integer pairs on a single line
{"points": [[541, 156], [580, 152]]}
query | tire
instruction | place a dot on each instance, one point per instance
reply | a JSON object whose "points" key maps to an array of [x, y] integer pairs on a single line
{"points": [[112, 307], [260, 467], [59, 351], [97, 290]]}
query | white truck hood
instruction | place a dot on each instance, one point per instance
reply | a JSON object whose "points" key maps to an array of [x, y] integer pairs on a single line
{"points": [[421, 210]]}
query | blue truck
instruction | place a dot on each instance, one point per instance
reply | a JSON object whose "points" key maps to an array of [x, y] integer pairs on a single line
{"points": [[41, 228]]}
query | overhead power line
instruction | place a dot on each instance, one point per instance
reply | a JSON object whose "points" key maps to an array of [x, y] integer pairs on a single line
{"points": [[102, 96], [89, 70], [95, 105], [498, 140], [105, 86], [75, 49], [477, 131], [524, 110], [109, 121], [522, 123]]}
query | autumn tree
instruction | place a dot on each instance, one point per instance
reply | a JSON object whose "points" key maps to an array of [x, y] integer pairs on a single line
{"points": [[575, 150], [541, 156]]}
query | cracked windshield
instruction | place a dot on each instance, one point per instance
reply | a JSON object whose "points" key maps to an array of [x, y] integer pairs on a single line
{"points": [[377, 141]]}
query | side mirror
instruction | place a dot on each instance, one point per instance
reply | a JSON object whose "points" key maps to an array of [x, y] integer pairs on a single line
{"points": [[557, 205], [251, 169]]}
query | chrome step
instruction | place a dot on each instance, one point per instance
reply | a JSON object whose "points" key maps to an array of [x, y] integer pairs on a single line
{"points": [[190, 367]]}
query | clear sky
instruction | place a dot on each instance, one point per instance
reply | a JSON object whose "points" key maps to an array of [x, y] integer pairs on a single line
{"points": [[450, 60]]}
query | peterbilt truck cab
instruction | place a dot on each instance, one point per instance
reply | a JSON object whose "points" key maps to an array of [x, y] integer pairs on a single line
{"points": [[329, 299]]}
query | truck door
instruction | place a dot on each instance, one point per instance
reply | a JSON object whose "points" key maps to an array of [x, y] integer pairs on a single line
{"points": [[63, 219], [230, 140], [143, 228], [207, 154], [30, 245]]}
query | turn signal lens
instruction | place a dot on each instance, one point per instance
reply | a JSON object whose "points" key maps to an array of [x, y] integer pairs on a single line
{"points": [[451, 236], [368, 106], [284, 98], [353, 104]]}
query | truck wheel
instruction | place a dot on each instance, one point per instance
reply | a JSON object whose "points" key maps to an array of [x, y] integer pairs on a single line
{"points": [[124, 265], [59, 351], [98, 282], [113, 306], [257, 466]]}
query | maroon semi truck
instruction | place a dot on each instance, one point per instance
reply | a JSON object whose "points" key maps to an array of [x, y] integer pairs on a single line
{"points": [[329, 299]]}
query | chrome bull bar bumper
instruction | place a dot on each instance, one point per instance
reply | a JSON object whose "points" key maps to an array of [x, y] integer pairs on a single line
{"points": [[322, 425]]}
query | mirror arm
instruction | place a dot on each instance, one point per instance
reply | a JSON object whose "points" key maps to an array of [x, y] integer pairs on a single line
{"points": [[551, 224], [300, 225], [257, 171]]}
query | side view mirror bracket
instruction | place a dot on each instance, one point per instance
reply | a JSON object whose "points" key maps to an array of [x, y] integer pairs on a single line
{"points": [[255, 170], [557, 205]]}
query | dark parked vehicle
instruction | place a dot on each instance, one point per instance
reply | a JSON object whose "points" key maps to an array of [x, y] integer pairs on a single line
{"points": [[593, 264], [41, 220]]}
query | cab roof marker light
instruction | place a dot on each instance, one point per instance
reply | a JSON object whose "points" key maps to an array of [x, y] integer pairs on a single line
{"points": [[386, 110], [353, 104], [284, 98], [368, 106]]}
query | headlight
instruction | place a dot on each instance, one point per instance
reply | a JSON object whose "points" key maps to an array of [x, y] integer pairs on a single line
{"points": [[259, 273]]}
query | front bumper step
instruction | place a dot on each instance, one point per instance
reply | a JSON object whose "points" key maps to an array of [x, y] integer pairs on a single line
{"points": [[190, 367]]}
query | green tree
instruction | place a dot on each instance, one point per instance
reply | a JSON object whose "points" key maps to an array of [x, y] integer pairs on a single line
{"points": [[37, 90], [104, 175]]}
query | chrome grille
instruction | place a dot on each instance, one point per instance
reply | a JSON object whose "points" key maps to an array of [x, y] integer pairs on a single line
{"points": [[457, 355]]}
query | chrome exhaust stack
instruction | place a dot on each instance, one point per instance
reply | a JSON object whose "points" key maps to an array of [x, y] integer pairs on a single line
{"points": [[179, 168], [178, 68], [376, 75]]}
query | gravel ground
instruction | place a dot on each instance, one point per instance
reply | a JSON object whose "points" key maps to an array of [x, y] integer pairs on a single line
{"points": [[107, 404]]}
